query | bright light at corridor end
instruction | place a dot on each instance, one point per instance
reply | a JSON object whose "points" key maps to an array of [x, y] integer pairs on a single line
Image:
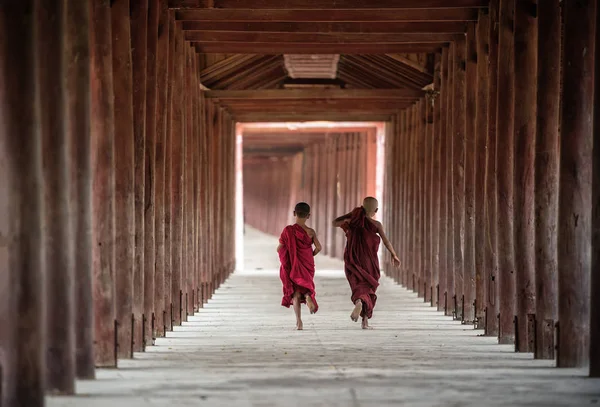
{"points": [[271, 127]]}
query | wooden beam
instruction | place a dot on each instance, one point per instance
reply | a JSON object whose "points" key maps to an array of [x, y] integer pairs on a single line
{"points": [[327, 4], [311, 38], [297, 48], [315, 93], [455, 27], [313, 116], [347, 15]]}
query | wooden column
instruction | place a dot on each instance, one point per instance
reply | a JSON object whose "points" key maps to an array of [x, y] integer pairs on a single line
{"points": [[525, 129], [491, 191], [458, 169], [546, 176], [505, 160], [56, 163], [106, 277], [124, 173], [21, 212], [468, 311], [162, 82], [139, 47], [481, 132], [78, 68], [449, 283], [434, 182], [575, 200], [411, 266], [150, 169], [445, 92], [595, 277]]}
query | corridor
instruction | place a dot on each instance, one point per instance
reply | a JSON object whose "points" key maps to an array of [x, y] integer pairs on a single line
{"points": [[241, 349]]}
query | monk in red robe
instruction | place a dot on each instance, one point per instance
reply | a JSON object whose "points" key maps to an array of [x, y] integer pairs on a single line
{"points": [[361, 263], [297, 270]]}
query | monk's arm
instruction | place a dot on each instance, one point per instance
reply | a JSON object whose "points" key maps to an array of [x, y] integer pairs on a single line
{"points": [[339, 221], [317, 244], [387, 244], [279, 247]]}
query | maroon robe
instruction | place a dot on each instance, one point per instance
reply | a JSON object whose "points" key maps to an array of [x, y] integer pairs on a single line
{"points": [[361, 263], [297, 269]]}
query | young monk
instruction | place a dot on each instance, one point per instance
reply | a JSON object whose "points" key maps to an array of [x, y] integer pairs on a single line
{"points": [[297, 270], [360, 256]]}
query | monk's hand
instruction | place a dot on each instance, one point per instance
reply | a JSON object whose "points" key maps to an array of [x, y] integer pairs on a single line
{"points": [[396, 261]]}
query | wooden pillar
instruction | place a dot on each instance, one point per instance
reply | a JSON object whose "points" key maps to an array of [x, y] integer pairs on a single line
{"points": [[524, 206], [468, 311], [505, 160], [445, 91], [424, 198], [150, 170], [162, 81], [77, 51], [139, 47], [575, 199], [491, 191], [434, 182], [168, 219], [124, 174], [458, 169], [21, 211], [449, 283], [410, 198], [56, 163], [546, 176], [481, 131]]}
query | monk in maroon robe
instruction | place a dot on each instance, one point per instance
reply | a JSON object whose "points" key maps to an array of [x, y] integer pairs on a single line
{"points": [[297, 269], [361, 263]]}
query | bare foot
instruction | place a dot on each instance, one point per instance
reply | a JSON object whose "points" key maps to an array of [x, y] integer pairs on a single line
{"points": [[310, 304], [356, 312], [365, 323], [299, 326]]}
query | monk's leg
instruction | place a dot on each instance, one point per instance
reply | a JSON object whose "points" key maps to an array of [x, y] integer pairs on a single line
{"points": [[358, 305], [365, 323], [310, 303], [296, 301]]}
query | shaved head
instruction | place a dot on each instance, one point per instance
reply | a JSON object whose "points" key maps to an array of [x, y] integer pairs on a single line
{"points": [[370, 204]]}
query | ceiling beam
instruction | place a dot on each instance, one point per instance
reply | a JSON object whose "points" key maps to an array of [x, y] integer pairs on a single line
{"points": [[313, 16], [266, 117], [328, 4], [296, 48], [449, 27], [316, 93], [317, 38]]}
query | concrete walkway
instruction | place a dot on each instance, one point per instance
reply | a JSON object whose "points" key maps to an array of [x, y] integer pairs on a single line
{"points": [[242, 350]]}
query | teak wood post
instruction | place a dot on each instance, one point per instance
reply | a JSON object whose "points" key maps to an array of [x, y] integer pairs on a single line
{"points": [[150, 170], [139, 48], [21, 216], [404, 148], [80, 65], [575, 198], [595, 277], [449, 284], [546, 176], [443, 180], [491, 190], [524, 179], [56, 163], [470, 170], [481, 147], [434, 182], [505, 114], [124, 172], [162, 82], [411, 198]]}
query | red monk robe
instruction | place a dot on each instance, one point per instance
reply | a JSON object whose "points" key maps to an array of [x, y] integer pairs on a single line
{"points": [[361, 263], [297, 269]]}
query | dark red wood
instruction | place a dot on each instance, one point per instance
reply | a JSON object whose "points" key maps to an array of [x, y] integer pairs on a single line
{"points": [[505, 114], [449, 283], [445, 106], [470, 173], [124, 173], [575, 183], [481, 132], [58, 233], [491, 191], [434, 182], [79, 67], [524, 133]]}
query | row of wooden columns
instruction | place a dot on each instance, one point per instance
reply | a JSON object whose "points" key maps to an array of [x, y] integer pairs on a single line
{"points": [[333, 177], [117, 188], [473, 174]]}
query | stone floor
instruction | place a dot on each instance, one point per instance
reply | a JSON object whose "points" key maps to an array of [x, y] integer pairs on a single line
{"points": [[242, 350]]}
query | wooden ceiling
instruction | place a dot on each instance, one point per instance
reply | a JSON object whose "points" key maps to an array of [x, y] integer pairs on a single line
{"points": [[377, 56]]}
